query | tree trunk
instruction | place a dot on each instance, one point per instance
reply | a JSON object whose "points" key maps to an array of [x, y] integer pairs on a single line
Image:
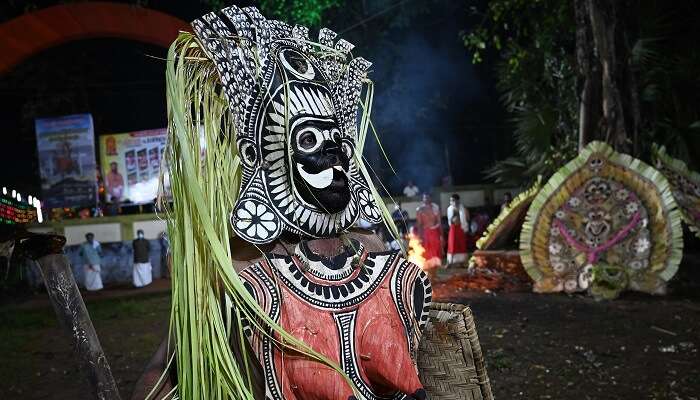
{"points": [[589, 78], [609, 107]]}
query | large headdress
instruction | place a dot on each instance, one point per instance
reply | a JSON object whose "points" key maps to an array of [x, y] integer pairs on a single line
{"points": [[263, 137], [290, 99]]}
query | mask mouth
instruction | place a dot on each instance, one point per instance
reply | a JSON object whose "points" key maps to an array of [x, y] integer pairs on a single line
{"points": [[320, 180]]}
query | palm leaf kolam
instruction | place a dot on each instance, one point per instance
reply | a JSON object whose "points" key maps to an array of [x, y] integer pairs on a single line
{"points": [[685, 185], [605, 222], [508, 218]]}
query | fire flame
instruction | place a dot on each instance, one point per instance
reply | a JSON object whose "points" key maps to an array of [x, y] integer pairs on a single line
{"points": [[416, 250]]}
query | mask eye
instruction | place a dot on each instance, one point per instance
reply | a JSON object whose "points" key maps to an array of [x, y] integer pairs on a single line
{"points": [[309, 140]]}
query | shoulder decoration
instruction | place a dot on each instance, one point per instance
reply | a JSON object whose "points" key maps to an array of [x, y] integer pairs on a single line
{"points": [[359, 305], [605, 222], [685, 185]]}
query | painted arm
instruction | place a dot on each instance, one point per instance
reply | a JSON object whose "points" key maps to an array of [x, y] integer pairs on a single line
{"points": [[156, 368]]}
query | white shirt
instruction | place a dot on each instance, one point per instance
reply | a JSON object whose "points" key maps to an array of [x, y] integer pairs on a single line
{"points": [[451, 210], [411, 191]]}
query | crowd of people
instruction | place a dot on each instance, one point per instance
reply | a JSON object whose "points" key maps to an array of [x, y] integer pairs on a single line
{"points": [[449, 237], [91, 256]]}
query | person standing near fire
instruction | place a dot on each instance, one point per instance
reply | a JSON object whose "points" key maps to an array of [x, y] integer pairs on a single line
{"points": [[429, 229], [458, 218]]}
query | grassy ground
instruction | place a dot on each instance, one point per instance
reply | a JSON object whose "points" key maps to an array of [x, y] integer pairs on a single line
{"points": [[38, 362], [536, 346]]}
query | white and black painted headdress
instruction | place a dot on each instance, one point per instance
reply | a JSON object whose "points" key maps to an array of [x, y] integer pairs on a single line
{"points": [[273, 74]]}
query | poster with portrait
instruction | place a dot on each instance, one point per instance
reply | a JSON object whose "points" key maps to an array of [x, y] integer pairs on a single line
{"points": [[66, 150], [131, 165]]}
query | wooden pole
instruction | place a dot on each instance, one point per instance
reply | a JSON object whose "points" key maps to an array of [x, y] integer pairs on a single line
{"points": [[75, 321]]}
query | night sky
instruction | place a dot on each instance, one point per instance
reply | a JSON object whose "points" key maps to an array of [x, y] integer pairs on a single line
{"points": [[429, 100]]}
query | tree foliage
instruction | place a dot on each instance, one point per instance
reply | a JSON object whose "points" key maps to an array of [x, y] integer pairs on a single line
{"points": [[304, 12], [534, 41]]}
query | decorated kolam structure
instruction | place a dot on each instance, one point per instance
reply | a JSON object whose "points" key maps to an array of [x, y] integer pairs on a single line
{"points": [[605, 222], [509, 220], [685, 185], [497, 251]]}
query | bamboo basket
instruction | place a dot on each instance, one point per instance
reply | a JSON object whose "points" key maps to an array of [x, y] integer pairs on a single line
{"points": [[450, 362]]}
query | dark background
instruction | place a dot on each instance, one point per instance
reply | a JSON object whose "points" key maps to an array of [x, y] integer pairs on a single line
{"points": [[429, 99]]}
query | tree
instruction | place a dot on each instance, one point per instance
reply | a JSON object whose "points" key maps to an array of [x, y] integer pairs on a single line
{"points": [[609, 103], [618, 71], [534, 41]]}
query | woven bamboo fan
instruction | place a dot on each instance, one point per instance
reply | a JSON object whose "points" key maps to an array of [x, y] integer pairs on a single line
{"points": [[450, 363]]}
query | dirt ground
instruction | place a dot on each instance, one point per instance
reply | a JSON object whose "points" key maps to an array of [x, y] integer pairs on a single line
{"points": [[536, 346]]}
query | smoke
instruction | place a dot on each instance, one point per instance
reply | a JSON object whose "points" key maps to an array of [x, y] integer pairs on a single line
{"points": [[423, 81]]}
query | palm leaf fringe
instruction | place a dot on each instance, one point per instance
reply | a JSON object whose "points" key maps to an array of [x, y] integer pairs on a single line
{"points": [[676, 171], [205, 175]]}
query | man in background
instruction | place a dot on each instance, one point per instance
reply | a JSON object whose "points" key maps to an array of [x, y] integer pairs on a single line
{"points": [[411, 190], [91, 254], [142, 273], [507, 198], [115, 183]]}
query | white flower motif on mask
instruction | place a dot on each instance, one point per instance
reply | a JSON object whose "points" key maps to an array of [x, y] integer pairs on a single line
{"points": [[632, 207], [554, 248], [367, 204], [571, 285], [255, 220], [638, 264], [554, 231], [642, 245], [622, 194], [574, 202], [559, 267], [560, 214]]}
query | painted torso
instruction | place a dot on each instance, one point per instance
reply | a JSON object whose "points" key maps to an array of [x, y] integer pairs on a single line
{"points": [[362, 310]]}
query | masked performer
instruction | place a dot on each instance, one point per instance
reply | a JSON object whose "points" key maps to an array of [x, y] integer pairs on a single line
{"points": [[429, 230], [281, 299], [458, 217]]}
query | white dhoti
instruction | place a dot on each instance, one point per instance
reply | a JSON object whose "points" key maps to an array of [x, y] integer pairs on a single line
{"points": [[143, 274], [456, 258], [93, 279]]}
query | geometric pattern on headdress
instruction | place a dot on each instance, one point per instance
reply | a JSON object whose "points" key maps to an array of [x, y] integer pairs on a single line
{"points": [[254, 58], [605, 222]]}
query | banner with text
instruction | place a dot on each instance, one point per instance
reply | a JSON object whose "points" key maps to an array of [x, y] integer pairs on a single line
{"points": [[66, 150], [131, 164]]}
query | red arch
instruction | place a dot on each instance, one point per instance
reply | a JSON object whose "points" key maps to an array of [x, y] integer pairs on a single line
{"points": [[31, 33]]}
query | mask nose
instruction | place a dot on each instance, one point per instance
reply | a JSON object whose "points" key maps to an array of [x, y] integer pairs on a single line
{"points": [[332, 152]]}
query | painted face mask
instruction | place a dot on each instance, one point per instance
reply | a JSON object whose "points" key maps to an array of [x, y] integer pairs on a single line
{"points": [[294, 105]]}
